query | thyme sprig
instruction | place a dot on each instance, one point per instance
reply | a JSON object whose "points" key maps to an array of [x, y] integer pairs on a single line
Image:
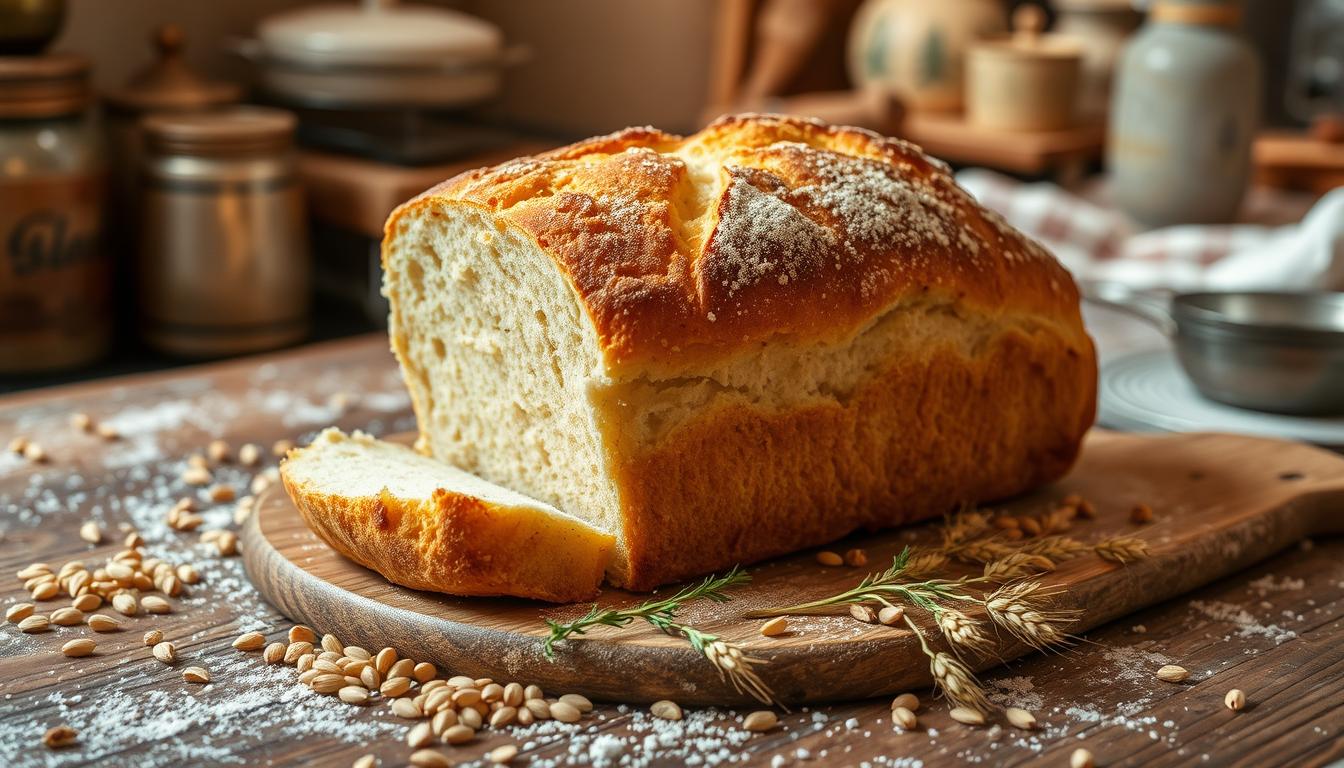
{"points": [[732, 663]]}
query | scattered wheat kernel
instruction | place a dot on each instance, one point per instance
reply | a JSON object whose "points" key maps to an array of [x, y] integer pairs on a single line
{"points": [[428, 758], [34, 624], [196, 476], [370, 678], [424, 672], [1140, 514], [17, 444], [366, 761], [327, 682], [863, 613], [891, 615], [133, 540], [760, 720], [908, 700], [60, 736], [187, 573], [967, 716], [155, 604], [358, 653], [153, 637], [1081, 758], [221, 492], [578, 701], [539, 708], [420, 735], [472, 717], [88, 601], [91, 533], [67, 617], [195, 674], [407, 709], [332, 643], [47, 590], [904, 717], [397, 686], [774, 627], [101, 623], [533, 692], [281, 447], [354, 694], [461, 734], [18, 612], [1086, 509], [1172, 673], [249, 454], [165, 651], [1020, 718], [305, 663], [503, 716], [34, 453], [250, 641], [565, 713], [502, 754], [107, 431], [227, 543], [300, 633], [1235, 700], [81, 646], [124, 603], [81, 422], [856, 558], [493, 692], [1005, 522], [1029, 526], [829, 558], [218, 451], [525, 717], [296, 649]]}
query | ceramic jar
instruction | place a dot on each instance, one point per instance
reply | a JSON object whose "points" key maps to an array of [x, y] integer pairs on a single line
{"points": [[1100, 29], [916, 49], [1184, 113]]}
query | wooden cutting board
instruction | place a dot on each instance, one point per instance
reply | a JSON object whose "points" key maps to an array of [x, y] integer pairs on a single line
{"points": [[1222, 502]]}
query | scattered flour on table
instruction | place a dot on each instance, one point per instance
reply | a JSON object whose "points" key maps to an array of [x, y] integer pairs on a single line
{"points": [[1268, 583], [1247, 625]]}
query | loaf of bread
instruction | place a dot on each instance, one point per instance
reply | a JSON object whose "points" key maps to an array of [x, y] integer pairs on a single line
{"points": [[424, 524], [737, 344]]}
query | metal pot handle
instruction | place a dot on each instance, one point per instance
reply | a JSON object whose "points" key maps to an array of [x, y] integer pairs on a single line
{"points": [[1152, 306]]}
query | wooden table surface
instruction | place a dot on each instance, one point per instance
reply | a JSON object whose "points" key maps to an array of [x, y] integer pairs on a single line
{"points": [[1276, 631]]}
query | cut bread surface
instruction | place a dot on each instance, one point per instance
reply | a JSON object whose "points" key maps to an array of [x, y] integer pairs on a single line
{"points": [[425, 524]]}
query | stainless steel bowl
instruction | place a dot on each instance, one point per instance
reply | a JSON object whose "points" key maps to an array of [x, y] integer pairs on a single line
{"points": [[1267, 351]]}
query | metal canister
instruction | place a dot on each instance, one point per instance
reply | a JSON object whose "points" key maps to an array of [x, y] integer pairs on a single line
{"points": [[55, 303], [224, 266]]}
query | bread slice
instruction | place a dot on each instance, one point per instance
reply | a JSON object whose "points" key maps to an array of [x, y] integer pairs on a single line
{"points": [[425, 524]]}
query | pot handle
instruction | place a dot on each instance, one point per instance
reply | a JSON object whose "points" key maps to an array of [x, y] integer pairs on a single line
{"points": [[1152, 306]]}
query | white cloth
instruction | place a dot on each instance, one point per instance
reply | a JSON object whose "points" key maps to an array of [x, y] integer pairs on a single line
{"points": [[1098, 243]]}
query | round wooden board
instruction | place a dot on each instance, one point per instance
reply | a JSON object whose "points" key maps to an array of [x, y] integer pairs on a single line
{"points": [[1222, 502]]}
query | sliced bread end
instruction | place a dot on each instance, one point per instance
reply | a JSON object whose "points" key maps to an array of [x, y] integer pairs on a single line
{"points": [[427, 525]]}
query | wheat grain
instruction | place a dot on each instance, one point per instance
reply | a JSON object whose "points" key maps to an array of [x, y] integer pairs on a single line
{"points": [[1020, 718], [904, 717], [665, 710], [250, 641], [829, 559], [1172, 673], [1235, 700], [60, 736], [79, 647], [775, 627], [759, 721], [1122, 549], [102, 623], [165, 652], [502, 754], [967, 715], [1016, 566], [1081, 758]]}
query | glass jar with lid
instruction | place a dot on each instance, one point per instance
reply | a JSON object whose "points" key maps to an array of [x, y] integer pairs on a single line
{"points": [[55, 293]]}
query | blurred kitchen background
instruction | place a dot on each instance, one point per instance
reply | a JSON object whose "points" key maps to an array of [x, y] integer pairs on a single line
{"points": [[182, 181]]}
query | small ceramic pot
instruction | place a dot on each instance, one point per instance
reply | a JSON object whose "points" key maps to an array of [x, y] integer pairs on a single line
{"points": [[1028, 82]]}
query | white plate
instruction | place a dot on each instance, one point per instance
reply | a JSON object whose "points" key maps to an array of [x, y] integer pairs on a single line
{"points": [[1148, 391]]}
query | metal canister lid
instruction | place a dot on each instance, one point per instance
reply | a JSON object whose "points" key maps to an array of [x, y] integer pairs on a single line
{"points": [[168, 84], [237, 131], [43, 86]]}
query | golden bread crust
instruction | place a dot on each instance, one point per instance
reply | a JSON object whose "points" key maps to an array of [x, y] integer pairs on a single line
{"points": [[915, 441], [756, 228], [456, 544]]}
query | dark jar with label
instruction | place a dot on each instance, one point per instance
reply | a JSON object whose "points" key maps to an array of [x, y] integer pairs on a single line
{"points": [[55, 302]]}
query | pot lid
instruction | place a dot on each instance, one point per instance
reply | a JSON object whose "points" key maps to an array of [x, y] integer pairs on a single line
{"points": [[378, 33], [235, 131], [1028, 39], [168, 83], [43, 86]]}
